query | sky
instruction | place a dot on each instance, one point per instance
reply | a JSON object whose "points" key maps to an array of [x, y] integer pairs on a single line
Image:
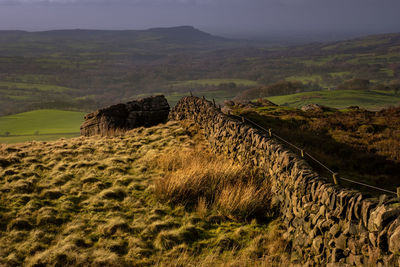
{"points": [[240, 17]]}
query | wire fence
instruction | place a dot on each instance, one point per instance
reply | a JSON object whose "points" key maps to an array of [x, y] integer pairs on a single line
{"points": [[303, 153]]}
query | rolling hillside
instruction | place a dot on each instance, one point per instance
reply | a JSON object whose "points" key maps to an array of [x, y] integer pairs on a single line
{"points": [[64, 69], [85, 69]]}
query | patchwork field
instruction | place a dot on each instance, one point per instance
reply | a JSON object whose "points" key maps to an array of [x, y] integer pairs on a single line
{"points": [[340, 99], [46, 124], [154, 196], [305, 79]]}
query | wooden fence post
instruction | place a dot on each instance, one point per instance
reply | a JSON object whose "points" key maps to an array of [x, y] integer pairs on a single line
{"points": [[336, 179]]}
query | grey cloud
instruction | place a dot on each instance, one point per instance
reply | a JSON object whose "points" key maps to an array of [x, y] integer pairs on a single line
{"points": [[258, 16]]}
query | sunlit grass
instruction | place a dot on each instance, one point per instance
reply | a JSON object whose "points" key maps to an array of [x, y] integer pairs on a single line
{"points": [[46, 124], [92, 201]]}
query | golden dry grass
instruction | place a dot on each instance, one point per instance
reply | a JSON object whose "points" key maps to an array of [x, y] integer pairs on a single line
{"points": [[91, 202], [202, 179]]}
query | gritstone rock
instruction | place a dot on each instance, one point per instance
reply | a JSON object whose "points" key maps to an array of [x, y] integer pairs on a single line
{"points": [[121, 117]]}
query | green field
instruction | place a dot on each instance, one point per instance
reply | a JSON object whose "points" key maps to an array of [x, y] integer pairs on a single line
{"points": [[340, 74], [340, 99], [40, 125], [304, 79]]}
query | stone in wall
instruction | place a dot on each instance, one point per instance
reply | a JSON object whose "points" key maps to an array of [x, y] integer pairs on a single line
{"points": [[121, 117]]}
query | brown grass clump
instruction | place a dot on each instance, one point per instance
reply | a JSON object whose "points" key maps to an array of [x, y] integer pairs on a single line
{"points": [[243, 200], [263, 250], [199, 178], [67, 255]]}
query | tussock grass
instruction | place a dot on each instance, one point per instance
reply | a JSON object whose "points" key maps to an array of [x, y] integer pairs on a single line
{"points": [[199, 178]]}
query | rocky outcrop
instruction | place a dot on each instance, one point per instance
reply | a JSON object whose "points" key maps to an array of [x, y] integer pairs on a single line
{"points": [[121, 117], [326, 224]]}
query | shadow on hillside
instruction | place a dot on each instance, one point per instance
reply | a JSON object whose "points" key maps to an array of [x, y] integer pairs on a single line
{"points": [[347, 161]]}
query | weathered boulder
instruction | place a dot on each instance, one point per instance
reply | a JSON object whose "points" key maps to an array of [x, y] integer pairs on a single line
{"points": [[316, 108], [312, 107], [121, 117], [394, 241]]}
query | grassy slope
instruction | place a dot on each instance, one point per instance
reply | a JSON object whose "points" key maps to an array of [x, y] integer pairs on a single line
{"points": [[49, 125], [91, 201], [339, 99]]}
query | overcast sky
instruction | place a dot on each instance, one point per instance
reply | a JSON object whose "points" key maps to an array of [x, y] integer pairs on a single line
{"points": [[217, 16]]}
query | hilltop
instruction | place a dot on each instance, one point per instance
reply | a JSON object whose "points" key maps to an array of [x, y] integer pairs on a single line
{"points": [[155, 40]]}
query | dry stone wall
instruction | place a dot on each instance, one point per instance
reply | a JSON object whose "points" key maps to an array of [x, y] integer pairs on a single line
{"points": [[327, 225]]}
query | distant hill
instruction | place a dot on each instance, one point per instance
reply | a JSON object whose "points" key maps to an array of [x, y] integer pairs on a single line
{"points": [[186, 34], [156, 39], [371, 43]]}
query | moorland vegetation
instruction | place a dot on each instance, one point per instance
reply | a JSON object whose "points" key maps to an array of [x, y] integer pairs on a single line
{"points": [[154, 196], [356, 143]]}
